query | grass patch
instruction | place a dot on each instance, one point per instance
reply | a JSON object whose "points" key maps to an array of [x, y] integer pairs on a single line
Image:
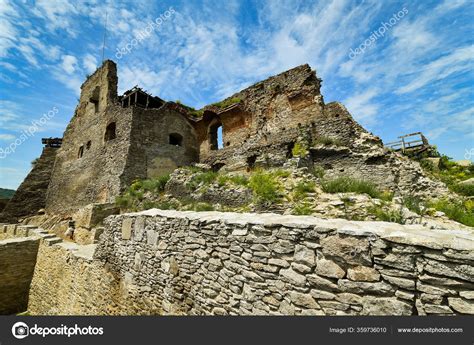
{"points": [[302, 189], [462, 212], [327, 141], [302, 209], [239, 180], [299, 150], [265, 186], [202, 177], [463, 189], [393, 216], [318, 172], [348, 185], [227, 102], [203, 206]]}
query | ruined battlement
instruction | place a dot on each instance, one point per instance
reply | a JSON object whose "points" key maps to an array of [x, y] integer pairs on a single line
{"points": [[112, 141]]}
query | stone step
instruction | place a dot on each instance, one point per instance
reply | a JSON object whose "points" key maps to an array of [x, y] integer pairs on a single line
{"points": [[52, 240]]}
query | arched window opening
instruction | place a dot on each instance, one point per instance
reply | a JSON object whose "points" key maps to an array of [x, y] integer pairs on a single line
{"points": [[110, 132], [175, 139], [215, 136], [81, 152]]}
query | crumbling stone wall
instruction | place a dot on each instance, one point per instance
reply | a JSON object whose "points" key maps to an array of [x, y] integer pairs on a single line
{"points": [[171, 262], [17, 263], [161, 140], [31, 194]]}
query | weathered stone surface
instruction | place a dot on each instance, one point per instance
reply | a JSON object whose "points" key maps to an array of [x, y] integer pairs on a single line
{"points": [[321, 282], [401, 261], [379, 288], [385, 306], [437, 309], [350, 249], [292, 277], [465, 272], [408, 284], [461, 305], [363, 273], [467, 294], [329, 268], [303, 300], [305, 256]]}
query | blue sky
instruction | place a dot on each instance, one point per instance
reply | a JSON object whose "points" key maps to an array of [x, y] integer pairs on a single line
{"points": [[418, 76]]}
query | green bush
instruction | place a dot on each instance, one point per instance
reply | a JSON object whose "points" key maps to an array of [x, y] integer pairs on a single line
{"points": [[299, 150], [414, 204], [459, 211], [265, 186], [156, 184], [239, 180], [347, 185], [463, 189], [202, 177], [326, 141]]}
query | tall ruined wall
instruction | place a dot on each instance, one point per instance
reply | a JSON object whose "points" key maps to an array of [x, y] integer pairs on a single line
{"points": [[170, 262], [17, 263], [270, 116], [93, 155], [31, 195], [151, 153]]}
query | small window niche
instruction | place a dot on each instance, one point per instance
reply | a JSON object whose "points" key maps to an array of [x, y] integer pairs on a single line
{"points": [[94, 98], [88, 145], [110, 132], [175, 139], [80, 153]]}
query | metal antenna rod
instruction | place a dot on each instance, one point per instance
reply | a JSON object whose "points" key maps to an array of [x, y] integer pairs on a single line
{"points": [[105, 32]]}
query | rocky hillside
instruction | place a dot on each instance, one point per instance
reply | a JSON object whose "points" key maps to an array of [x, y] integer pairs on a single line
{"points": [[295, 190]]}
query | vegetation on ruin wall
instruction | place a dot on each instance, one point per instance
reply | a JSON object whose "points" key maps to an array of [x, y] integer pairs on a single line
{"points": [[278, 187], [227, 102], [448, 171], [351, 185]]}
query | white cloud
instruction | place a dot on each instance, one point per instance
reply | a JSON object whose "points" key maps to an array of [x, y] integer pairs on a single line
{"points": [[89, 62], [361, 107], [457, 61], [69, 64], [7, 137]]}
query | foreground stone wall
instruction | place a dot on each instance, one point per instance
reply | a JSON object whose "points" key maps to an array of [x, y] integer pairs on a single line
{"points": [[170, 262], [17, 263]]}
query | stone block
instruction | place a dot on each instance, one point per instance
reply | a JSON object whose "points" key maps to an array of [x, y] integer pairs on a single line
{"points": [[127, 228], [363, 273]]}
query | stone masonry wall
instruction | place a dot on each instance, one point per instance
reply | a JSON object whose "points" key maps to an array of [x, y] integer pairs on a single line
{"points": [[204, 263], [17, 263]]}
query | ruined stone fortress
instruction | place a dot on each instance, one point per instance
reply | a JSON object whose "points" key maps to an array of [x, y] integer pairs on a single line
{"points": [[200, 263]]}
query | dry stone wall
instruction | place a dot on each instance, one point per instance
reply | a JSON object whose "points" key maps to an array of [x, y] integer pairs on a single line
{"points": [[212, 263]]}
